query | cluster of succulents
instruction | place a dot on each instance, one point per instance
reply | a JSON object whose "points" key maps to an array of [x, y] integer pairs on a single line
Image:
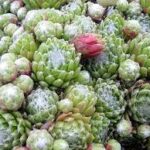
{"points": [[74, 75]]}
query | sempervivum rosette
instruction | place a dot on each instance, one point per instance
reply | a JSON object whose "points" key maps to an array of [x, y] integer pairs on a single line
{"points": [[73, 128], [11, 66], [41, 105], [83, 98], [112, 24], [55, 63], [124, 128], [8, 71], [11, 97], [106, 64], [4, 6], [95, 11], [140, 102], [10, 29], [15, 6], [13, 130], [25, 46], [33, 17], [131, 29], [100, 126], [73, 8], [40, 139], [7, 18], [84, 77], [21, 13], [110, 99], [47, 29], [122, 5], [144, 131], [144, 23], [139, 50], [23, 65], [129, 70], [113, 145], [25, 83], [134, 9], [60, 144], [80, 24]]}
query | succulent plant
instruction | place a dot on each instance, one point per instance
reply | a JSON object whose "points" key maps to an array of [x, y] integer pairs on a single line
{"points": [[100, 126], [74, 129], [83, 98], [95, 11], [13, 130], [47, 29], [40, 139], [84, 77], [124, 127], [12, 97], [144, 131], [33, 17], [129, 70], [110, 99], [112, 24], [25, 83], [60, 144], [113, 145], [15, 6], [21, 13], [73, 8], [25, 46], [4, 6], [41, 105], [81, 24], [65, 105], [8, 71], [122, 5], [10, 29], [55, 63], [106, 64], [7, 18], [139, 103], [144, 23], [131, 29], [23, 66], [8, 57], [88, 44], [139, 50], [134, 9]]}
